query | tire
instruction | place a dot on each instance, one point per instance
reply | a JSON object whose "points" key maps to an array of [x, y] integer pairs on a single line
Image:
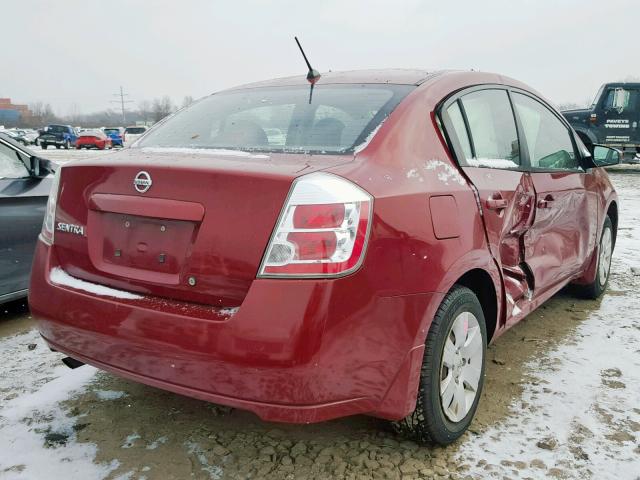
{"points": [[58, 147], [78, 147], [44, 146], [67, 145], [605, 251], [432, 421]]}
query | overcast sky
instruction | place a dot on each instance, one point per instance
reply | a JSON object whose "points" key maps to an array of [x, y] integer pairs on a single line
{"points": [[76, 53]]}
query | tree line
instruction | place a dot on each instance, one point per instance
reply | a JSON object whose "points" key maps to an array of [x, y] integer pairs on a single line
{"points": [[146, 111]]}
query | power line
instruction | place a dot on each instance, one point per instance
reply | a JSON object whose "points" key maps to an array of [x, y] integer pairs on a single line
{"points": [[122, 101]]}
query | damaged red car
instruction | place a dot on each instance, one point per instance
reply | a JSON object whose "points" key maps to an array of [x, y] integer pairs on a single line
{"points": [[311, 254]]}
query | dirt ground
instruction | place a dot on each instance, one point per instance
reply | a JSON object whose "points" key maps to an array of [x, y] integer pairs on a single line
{"points": [[561, 400]]}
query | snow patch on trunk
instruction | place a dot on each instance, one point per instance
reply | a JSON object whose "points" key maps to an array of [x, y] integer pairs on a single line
{"points": [[59, 277], [205, 151]]}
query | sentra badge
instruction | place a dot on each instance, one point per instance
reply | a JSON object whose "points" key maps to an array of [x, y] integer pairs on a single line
{"points": [[70, 228]]}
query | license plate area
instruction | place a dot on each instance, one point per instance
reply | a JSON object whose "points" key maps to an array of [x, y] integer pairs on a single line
{"points": [[145, 243]]}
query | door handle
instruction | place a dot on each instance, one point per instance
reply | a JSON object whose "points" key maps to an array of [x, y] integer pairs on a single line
{"points": [[546, 202], [496, 202]]}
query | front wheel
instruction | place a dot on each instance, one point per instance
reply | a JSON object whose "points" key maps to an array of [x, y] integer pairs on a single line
{"points": [[44, 146], [605, 252], [452, 371]]}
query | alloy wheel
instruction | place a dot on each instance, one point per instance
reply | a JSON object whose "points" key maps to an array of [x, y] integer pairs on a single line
{"points": [[461, 367], [606, 249]]}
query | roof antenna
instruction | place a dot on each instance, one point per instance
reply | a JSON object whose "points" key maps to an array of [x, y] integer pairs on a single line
{"points": [[313, 75]]}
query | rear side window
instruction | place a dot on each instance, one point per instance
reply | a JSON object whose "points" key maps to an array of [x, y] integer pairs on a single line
{"points": [[493, 130], [455, 114], [336, 119], [135, 130], [548, 139]]}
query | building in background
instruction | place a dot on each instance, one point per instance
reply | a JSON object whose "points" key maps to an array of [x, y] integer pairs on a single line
{"points": [[11, 114]]}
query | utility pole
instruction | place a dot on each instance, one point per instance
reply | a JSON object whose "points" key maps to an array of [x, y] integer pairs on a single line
{"points": [[122, 101]]}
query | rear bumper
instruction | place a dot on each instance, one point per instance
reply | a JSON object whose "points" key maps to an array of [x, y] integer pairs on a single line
{"points": [[56, 141], [295, 351]]}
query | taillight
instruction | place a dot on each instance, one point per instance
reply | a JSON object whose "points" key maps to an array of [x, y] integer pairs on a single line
{"points": [[322, 230], [46, 235]]}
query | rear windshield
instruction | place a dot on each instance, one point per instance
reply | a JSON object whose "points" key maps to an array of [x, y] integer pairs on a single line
{"points": [[92, 133], [112, 130], [135, 130], [57, 129], [336, 119]]}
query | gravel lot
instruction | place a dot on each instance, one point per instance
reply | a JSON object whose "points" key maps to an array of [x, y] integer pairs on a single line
{"points": [[560, 400]]}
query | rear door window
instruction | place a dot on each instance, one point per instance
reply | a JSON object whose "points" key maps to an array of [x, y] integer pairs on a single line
{"points": [[548, 140], [494, 138]]}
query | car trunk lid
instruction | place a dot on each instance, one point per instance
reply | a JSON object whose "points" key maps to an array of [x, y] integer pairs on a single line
{"points": [[196, 234]]}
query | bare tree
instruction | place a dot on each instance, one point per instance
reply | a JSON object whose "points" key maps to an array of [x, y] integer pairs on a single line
{"points": [[144, 109], [74, 113], [162, 107], [41, 114], [187, 100]]}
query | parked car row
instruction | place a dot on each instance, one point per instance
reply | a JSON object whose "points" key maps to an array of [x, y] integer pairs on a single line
{"points": [[24, 136], [66, 136]]}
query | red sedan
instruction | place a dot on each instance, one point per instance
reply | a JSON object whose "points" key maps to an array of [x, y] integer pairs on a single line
{"points": [[93, 139], [308, 257]]}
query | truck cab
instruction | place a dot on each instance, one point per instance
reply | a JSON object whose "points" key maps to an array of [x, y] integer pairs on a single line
{"points": [[612, 120], [58, 136]]}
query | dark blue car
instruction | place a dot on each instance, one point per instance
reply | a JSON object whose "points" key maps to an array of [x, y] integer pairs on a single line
{"points": [[25, 183], [116, 134]]}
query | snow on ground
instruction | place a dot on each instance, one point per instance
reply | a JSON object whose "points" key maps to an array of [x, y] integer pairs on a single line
{"points": [[580, 415], [33, 422]]}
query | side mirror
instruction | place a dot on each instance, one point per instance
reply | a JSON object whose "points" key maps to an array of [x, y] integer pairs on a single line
{"points": [[41, 167], [606, 156]]}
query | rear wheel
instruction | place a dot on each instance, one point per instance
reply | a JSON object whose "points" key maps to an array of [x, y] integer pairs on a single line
{"points": [[67, 145], [452, 371], [605, 252], [58, 147]]}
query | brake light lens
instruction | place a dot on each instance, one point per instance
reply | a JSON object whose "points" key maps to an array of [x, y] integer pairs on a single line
{"points": [[322, 231], [46, 235]]}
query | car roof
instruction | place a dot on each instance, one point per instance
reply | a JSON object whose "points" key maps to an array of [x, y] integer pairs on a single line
{"points": [[623, 84], [397, 76]]}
